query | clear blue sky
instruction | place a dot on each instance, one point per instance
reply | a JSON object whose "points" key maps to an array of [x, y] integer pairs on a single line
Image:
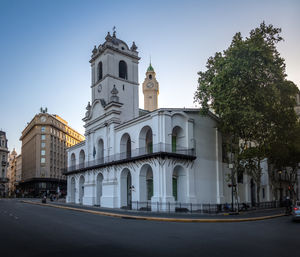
{"points": [[45, 47]]}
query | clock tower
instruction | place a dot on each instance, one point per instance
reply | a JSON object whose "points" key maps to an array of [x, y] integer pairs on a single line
{"points": [[150, 90]]}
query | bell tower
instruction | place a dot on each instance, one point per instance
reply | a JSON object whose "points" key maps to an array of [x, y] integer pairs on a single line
{"points": [[150, 90], [114, 76]]}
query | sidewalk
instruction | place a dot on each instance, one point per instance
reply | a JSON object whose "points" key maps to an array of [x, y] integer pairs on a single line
{"points": [[164, 216]]}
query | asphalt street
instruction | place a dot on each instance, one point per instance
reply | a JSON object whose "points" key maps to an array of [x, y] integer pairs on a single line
{"points": [[32, 230]]}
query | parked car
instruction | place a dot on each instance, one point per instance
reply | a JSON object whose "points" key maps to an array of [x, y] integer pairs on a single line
{"points": [[296, 211]]}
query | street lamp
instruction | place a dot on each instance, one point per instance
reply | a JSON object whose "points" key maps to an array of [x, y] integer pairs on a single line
{"points": [[280, 189], [230, 166]]}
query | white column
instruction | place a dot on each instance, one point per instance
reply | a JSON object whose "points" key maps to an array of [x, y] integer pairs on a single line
{"points": [[89, 190]]}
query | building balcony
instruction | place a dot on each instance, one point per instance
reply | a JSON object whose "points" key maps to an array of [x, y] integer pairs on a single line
{"points": [[151, 151]]}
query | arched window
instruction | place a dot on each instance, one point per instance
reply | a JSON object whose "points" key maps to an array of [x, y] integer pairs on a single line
{"points": [[100, 73], [125, 146], [122, 70], [81, 159], [73, 161]]}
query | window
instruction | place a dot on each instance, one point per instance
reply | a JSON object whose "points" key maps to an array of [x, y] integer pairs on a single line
{"points": [[150, 76], [43, 160], [43, 145], [100, 72], [43, 129], [122, 70], [43, 152], [43, 137]]}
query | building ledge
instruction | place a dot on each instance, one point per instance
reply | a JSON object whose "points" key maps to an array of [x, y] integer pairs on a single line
{"points": [[157, 151]]}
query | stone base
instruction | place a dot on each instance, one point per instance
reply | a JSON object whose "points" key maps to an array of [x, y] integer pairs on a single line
{"points": [[109, 202], [88, 200]]}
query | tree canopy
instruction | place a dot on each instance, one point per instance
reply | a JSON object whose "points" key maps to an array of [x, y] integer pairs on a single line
{"points": [[246, 87]]}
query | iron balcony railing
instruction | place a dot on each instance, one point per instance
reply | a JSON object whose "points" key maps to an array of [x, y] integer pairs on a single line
{"points": [[138, 152]]}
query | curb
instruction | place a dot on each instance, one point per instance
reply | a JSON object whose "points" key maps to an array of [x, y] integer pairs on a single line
{"points": [[125, 216]]}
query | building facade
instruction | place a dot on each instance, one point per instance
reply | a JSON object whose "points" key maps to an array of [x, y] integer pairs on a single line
{"points": [[18, 174], [44, 143], [11, 173], [4, 164], [162, 156]]}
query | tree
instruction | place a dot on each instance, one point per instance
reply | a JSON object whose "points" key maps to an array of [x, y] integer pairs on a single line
{"points": [[246, 87], [284, 155]]}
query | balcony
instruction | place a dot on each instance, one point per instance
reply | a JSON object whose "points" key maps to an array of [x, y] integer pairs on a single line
{"points": [[151, 151]]}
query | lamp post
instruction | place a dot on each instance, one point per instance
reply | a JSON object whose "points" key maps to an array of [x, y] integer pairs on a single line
{"points": [[280, 189], [232, 184]]}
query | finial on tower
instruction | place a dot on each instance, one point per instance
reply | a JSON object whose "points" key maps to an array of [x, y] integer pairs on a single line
{"points": [[114, 31], [133, 46], [150, 68]]}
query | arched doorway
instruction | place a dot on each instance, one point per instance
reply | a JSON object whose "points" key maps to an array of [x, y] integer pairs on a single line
{"points": [[100, 151], [81, 159], [146, 140], [126, 188], [179, 184], [81, 189], [146, 183], [72, 190], [73, 161], [99, 189], [177, 139], [125, 146]]}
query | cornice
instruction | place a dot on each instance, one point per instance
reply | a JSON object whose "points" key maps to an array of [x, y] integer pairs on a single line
{"points": [[94, 57], [114, 77]]}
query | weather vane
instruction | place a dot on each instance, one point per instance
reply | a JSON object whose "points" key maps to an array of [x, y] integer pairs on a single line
{"points": [[114, 29]]}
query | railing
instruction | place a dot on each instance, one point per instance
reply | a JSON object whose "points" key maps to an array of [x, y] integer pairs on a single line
{"points": [[200, 208], [148, 150]]}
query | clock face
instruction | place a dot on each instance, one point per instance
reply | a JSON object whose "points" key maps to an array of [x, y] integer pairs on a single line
{"points": [[43, 119], [150, 84], [99, 88]]}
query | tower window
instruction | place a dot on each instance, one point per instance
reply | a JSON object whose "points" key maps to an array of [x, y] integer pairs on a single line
{"points": [[100, 73], [150, 76], [123, 87], [122, 70]]}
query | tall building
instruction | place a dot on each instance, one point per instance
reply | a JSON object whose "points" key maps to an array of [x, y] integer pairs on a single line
{"points": [[44, 143], [4, 163], [150, 90], [18, 173], [11, 172]]}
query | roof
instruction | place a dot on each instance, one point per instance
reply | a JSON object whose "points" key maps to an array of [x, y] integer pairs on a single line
{"points": [[150, 68]]}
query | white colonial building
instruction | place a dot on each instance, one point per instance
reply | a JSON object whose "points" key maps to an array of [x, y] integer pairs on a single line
{"points": [[152, 155]]}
